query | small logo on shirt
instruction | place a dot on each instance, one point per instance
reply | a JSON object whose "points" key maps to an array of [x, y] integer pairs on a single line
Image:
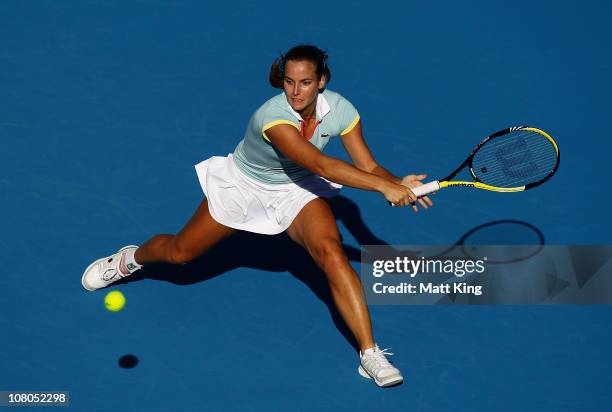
{"points": [[325, 135]]}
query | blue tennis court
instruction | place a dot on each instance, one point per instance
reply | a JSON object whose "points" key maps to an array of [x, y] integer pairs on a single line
{"points": [[106, 106]]}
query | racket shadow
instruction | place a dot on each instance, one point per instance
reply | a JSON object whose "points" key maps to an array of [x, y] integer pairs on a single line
{"points": [[528, 240]]}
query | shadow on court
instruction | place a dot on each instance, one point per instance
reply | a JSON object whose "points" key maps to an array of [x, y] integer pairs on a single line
{"points": [[278, 253]]}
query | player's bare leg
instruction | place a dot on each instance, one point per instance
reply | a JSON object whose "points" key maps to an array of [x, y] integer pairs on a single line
{"points": [[315, 229], [199, 234]]}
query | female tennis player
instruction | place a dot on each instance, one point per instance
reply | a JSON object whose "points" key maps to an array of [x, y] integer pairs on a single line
{"points": [[276, 180]]}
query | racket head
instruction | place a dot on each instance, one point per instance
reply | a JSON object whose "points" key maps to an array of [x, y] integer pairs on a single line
{"points": [[516, 158]]}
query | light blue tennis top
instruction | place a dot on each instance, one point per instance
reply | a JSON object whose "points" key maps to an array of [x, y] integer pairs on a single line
{"points": [[257, 157]]}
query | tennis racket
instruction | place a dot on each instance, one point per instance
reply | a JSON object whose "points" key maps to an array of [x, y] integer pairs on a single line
{"points": [[510, 160]]}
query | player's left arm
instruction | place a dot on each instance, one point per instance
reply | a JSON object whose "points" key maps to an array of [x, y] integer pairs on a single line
{"points": [[360, 154], [362, 158]]}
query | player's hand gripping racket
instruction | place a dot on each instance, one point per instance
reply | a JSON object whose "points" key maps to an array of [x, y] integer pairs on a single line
{"points": [[511, 160]]}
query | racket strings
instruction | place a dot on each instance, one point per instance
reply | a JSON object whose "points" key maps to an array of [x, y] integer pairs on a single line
{"points": [[535, 166], [515, 159]]}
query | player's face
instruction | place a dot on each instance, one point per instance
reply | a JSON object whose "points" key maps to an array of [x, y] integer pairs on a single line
{"points": [[301, 84]]}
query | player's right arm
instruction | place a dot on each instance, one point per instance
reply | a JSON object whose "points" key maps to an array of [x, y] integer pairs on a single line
{"points": [[291, 144]]}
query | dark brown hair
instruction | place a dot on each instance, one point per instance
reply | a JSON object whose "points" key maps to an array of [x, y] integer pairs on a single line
{"points": [[299, 53]]}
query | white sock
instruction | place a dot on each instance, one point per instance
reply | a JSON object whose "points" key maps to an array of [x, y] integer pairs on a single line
{"points": [[130, 265], [367, 351]]}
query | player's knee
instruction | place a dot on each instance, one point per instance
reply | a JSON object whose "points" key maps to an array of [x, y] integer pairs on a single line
{"points": [[330, 254], [178, 255]]}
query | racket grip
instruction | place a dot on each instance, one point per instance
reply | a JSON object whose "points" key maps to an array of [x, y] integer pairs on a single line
{"points": [[426, 188], [423, 189]]}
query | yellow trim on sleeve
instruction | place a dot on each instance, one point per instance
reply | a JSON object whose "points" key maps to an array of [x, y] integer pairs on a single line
{"points": [[276, 123], [351, 126]]}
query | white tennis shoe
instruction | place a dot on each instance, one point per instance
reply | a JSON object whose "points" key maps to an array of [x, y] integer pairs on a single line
{"points": [[104, 271], [374, 365]]}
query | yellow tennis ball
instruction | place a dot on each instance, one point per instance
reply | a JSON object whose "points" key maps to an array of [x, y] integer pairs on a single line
{"points": [[114, 301]]}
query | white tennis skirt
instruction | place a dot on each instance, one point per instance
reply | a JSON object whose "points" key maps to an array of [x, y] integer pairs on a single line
{"points": [[243, 203]]}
